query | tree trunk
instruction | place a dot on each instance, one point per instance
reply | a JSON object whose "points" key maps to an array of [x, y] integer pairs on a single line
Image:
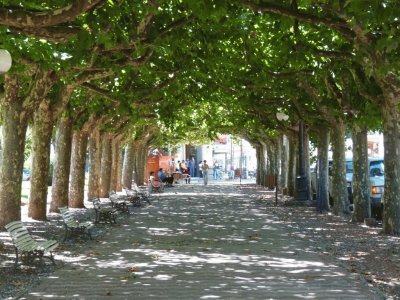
{"points": [[105, 171], [339, 183], [271, 158], [360, 182], [114, 164], [307, 161], [391, 136], [292, 166], [41, 138], [323, 169], [78, 160], [141, 163], [135, 161], [258, 164], [62, 163], [283, 181], [119, 168], [261, 164], [278, 164], [128, 165], [94, 164], [12, 160]]}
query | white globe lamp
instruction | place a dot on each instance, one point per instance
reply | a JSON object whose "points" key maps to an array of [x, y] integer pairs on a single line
{"points": [[282, 116], [5, 61]]}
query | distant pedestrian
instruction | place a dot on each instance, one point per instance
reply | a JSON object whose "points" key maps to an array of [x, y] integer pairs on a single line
{"points": [[201, 169], [205, 172], [215, 169], [192, 167]]}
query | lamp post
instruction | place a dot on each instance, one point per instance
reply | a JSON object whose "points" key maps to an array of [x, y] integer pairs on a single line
{"points": [[301, 180], [5, 61]]}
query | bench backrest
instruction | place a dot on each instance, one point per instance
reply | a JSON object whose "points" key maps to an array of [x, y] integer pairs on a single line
{"points": [[113, 196], [67, 216], [19, 234], [96, 203], [136, 188]]}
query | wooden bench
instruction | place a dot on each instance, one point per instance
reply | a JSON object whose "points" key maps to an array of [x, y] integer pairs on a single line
{"points": [[103, 214], [26, 247], [119, 203], [72, 226]]}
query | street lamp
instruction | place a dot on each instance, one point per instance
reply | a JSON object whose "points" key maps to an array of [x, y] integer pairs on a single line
{"points": [[302, 192], [5, 61], [282, 116]]}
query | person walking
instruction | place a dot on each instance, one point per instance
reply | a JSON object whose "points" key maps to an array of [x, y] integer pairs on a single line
{"points": [[201, 169], [215, 169], [205, 172]]}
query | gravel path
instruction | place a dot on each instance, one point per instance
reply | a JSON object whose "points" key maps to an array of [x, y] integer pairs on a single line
{"points": [[197, 242]]}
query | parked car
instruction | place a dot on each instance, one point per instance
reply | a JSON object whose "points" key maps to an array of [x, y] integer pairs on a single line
{"points": [[376, 173], [26, 175], [252, 174]]}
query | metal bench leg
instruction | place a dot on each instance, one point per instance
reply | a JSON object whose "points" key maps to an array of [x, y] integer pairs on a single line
{"points": [[16, 258]]}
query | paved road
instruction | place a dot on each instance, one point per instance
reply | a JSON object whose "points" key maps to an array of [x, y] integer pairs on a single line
{"points": [[198, 242]]}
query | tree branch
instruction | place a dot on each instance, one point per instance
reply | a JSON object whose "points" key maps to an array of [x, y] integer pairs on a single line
{"points": [[54, 33], [331, 22], [20, 18], [101, 92]]}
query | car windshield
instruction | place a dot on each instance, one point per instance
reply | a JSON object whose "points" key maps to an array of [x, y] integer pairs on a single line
{"points": [[377, 168]]}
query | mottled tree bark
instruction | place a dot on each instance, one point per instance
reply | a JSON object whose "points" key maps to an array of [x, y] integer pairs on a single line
{"points": [[119, 168], [307, 161], [261, 164], [12, 160], [41, 138], [391, 135], [141, 164], [271, 158], [94, 164], [62, 160], [105, 171], [323, 168], [278, 156], [339, 183], [283, 181], [128, 165], [292, 165], [77, 173], [360, 182], [15, 113], [258, 157], [114, 164]]}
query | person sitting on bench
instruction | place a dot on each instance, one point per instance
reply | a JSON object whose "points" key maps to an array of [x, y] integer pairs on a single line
{"points": [[187, 178], [163, 178]]}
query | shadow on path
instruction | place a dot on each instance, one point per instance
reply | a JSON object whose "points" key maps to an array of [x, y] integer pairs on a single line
{"points": [[198, 242]]}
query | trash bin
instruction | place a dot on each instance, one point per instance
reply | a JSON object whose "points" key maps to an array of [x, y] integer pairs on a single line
{"points": [[270, 181], [237, 173]]}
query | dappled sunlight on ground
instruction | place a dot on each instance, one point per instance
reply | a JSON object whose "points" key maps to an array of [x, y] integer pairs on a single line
{"points": [[199, 242]]}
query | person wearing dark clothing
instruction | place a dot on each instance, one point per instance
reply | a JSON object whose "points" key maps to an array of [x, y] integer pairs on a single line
{"points": [[192, 167], [186, 171], [164, 178]]}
